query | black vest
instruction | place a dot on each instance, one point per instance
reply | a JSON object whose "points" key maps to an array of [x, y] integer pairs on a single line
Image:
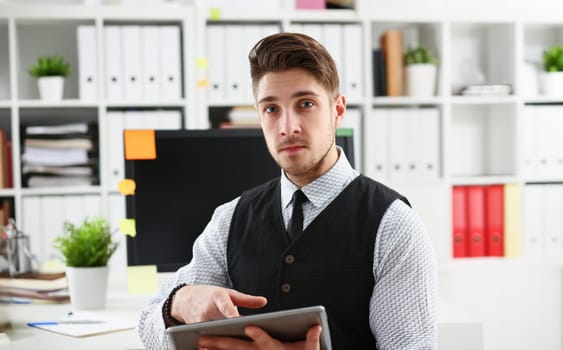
{"points": [[330, 264]]}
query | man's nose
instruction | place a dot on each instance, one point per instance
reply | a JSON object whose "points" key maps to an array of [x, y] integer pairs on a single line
{"points": [[289, 123]]}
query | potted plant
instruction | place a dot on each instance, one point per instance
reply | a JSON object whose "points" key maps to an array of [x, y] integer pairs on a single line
{"points": [[552, 75], [50, 72], [421, 71], [87, 249]]}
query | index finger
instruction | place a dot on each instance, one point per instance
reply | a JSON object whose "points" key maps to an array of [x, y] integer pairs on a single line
{"points": [[225, 306]]}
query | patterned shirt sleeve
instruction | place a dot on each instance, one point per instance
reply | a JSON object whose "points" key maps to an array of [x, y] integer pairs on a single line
{"points": [[404, 300], [208, 266]]}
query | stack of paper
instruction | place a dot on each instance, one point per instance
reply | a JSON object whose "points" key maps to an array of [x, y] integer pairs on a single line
{"points": [[59, 155], [45, 287]]}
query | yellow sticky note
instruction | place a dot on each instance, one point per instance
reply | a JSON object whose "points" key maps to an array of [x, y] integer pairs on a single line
{"points": [[127, 226], [142, 279], [127, 187], [52, 266], [214, 13], [201, 62], [139, 144], [202, 83]]}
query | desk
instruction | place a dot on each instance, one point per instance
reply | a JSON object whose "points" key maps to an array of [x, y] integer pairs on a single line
{"points": [[119, 303]]}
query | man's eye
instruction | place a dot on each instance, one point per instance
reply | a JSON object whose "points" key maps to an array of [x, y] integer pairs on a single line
{"points": [[307, 104], [270, 109]]}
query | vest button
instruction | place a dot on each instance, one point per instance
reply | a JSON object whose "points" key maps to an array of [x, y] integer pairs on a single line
{"points": [[289, 259], [286, 287]]}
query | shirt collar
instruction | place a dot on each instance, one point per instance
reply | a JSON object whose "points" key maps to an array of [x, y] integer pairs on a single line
{"points": [[324, 187]]}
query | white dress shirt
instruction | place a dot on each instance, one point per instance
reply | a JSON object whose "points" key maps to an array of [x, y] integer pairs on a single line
{"points": [[404, 299]]}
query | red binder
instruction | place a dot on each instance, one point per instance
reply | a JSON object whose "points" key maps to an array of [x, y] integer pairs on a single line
{"points": [[476, 220], [459, 222], [494, 217]]}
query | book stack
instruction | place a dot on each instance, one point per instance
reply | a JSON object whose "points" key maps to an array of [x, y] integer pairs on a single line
{"points": [[45, 287], [60, 155]]}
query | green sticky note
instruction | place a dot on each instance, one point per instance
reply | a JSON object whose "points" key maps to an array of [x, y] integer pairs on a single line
{"points": [[142, 279], [127, 226], [214, 13], [344, 132]]}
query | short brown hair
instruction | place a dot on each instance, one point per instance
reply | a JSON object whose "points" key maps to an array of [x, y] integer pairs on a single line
{"points": [[283, 51]]}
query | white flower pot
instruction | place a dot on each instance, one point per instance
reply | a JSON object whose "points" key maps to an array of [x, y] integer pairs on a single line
{"points": [[551, 83], [421, 79], [51, 88], [87, 287]]}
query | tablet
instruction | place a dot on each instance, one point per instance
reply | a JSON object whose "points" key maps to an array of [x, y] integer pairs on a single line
{"points": [[287, 325]]}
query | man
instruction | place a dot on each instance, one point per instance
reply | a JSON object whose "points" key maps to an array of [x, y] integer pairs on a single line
{"points": [[359, 249]]}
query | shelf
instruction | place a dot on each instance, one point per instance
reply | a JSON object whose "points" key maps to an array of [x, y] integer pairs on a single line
{"points": [[5, 104], [61, 190], [494, 264], [543, 99], [484, 180], [7, 192], [67, 103], [406, 101], [482, 100], [146, 104]]}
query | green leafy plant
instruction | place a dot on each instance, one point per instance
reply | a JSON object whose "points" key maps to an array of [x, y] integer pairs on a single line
{"points": [[553, 59], [420, 54], [49, 66], [86, 245]]}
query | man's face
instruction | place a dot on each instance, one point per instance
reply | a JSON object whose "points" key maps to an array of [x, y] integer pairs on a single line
{"points": [[299, 118]]}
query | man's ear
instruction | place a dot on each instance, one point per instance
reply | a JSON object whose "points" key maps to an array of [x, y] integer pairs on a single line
{"points": [[340, 108]]}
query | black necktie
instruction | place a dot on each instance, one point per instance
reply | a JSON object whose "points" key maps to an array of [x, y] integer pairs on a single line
{"points": [[295, 226]]}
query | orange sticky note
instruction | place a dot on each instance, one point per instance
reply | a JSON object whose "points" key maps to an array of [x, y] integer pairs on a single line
{"points": [[127, 187], [142, 279], [214, 13], [127, 227], [202, 83], [201, 62], [139, 144]]}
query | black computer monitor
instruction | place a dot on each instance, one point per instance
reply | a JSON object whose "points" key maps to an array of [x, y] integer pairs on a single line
{"points": [[194, 172]]}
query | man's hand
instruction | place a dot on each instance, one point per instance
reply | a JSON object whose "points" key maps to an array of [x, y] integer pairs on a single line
{"points": [[205, 303], [261, 341]]}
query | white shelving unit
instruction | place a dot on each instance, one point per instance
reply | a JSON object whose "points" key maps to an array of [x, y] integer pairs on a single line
{"points": [[480, 138]]}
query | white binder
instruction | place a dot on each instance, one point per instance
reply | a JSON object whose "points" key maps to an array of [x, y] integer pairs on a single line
{"points": [[131, 44], [352, 84], [31, 223], [235, 58], [353, 120], [315, 31], [150, 63], [169, 120], [528, 143], [91, 205], [429, 168], [269, 29], [52, 224], [115, 166], [252, 33], [398, 144], [87, 62], [113, 58], [333, 41], [533, 225], [217, 61], [376, 160], [552, 218], [72, 208], [170, 60]]}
